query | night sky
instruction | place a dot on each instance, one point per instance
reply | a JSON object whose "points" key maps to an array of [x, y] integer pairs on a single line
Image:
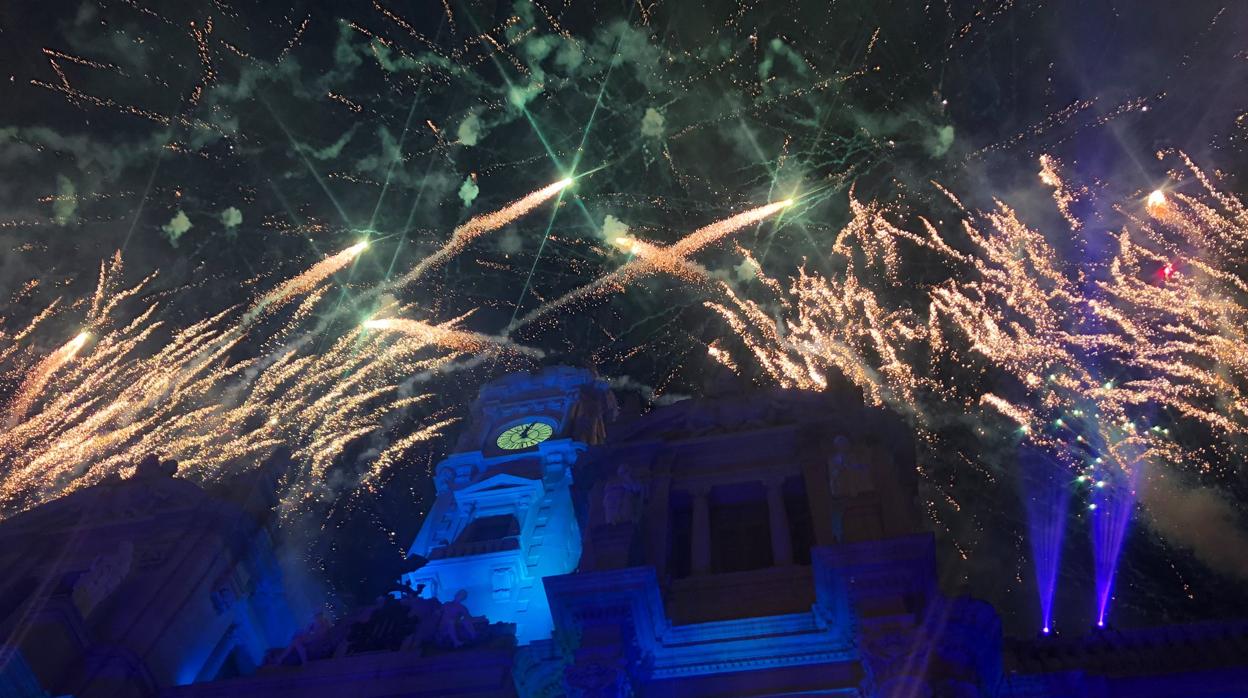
{"points": [[230, 146]]}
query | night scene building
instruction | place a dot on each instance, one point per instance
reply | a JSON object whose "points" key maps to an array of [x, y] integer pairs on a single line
{"points": [[755, 544]]}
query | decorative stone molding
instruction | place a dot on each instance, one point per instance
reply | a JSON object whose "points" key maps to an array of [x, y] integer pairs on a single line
{"points": [[620, 614], [106, 573], [597, 679]]}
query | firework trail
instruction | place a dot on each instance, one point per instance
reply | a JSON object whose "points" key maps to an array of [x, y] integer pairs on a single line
{"points": [[37, 378], [480, 225], [306, 282], [1087, 372], [650, 259], [713, 233], [449, 337], [74, 423], [838, 327]]}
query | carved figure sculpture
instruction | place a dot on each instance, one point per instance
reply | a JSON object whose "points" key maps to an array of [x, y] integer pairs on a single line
{"points": [[455, 623], [588, 414], [621, 497], [106, 573], [849, 472], [317, 629]]}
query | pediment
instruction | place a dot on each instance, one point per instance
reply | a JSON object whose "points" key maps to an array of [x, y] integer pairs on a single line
{"points": [[497, 483]]}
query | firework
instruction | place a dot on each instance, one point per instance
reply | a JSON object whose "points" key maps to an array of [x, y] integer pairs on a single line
{"points": [[480, 225], [449, 337], [37, 378], [74, 423], [709, 235], [1156, 203], [307, 281], [1166, 339], [80, 418], [649, 259]]}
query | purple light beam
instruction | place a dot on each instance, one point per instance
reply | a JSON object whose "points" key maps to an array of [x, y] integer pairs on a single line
{"points": [[1112, 502], [1047, 500]]}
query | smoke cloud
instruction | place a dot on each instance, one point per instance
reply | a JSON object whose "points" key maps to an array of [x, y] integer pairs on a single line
{"points": [[231, 218], [176, 227], [1199, 519]]}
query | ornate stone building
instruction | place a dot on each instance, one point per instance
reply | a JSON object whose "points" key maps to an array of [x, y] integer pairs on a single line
{"points": [[125, 588], [504, 518], [742, 545]]}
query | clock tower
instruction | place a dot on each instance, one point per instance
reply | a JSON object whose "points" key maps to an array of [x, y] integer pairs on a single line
{"points": [[503, 518]]}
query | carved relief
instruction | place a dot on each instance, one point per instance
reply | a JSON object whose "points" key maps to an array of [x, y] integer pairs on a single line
{"points": [[152, 555], [597, 680], [849, 468], [106, 573], [502, 581], [622, 497], [228, 589], [411, 623], [445, 479], [455, 623], [310, 636], [889, 656]]}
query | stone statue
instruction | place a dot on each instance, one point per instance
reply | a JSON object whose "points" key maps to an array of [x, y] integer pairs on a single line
{"points": [[106, 573], [445, 479], [455, 623], [151, 466], [316, 630], [592, 409], [849, 473], [621, 497]]}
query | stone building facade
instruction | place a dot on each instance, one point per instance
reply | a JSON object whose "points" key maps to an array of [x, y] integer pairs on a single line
{"points": [[756, 544], [125, 588]]}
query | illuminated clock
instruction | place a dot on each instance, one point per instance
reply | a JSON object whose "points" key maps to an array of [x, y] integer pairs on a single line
{"points": [[524, 435]]}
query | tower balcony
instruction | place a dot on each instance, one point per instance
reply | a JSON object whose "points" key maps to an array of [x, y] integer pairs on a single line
{"points": [[483, 547]]}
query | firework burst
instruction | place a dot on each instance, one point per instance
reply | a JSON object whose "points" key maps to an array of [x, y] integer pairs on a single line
{"points": [[1094, 363]]}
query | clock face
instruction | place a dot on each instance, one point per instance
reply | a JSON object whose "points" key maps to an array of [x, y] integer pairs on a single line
{"points": [[524, 435]]}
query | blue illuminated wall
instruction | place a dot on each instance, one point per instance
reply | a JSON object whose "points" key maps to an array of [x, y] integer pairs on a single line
{"points": [[503, 520], [138, 585]]}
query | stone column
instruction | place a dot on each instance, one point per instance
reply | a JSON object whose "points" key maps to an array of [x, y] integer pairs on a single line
{"points": [[781, 540], [700, 554], [657, 524], [815, 471]]}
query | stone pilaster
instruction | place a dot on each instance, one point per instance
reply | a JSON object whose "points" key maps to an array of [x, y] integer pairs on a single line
{"points": [[700, 553], [778, 520]]}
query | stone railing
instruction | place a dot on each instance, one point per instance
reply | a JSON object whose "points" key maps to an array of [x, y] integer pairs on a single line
{"points": [[484, 547]]}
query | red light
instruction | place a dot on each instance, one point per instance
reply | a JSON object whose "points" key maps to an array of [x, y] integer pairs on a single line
{"points": [[1167, 271]]}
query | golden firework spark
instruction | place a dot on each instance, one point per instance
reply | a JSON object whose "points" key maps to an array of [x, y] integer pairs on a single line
{"points": [[649, 259], [37, 378], [447, 336], [480, 225], [79, 418], [308, 280], [1156, 203], [1172, 322]]}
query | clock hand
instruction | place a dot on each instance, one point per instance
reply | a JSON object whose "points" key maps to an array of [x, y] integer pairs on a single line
{"points": [[525, 434]]}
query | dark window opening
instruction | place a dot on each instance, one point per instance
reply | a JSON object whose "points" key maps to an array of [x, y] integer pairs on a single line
{"points": [[236, 664], [801, 522], [489, 528], [680, 526], [740, 530], [16, 595]]}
